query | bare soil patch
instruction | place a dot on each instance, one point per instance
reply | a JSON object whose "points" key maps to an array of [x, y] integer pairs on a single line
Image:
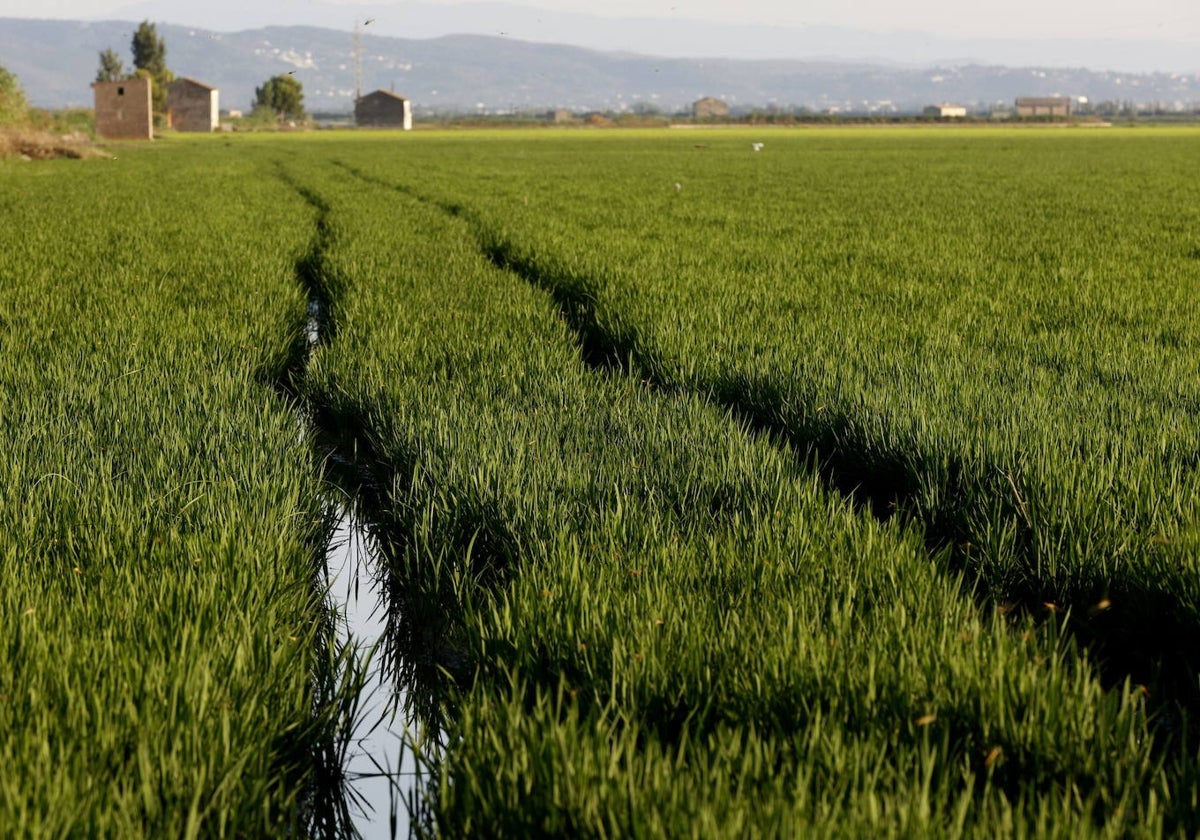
{"points": [[32, 144]]}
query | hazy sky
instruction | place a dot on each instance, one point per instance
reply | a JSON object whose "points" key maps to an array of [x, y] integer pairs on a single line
{"points": [[1177, 20]]}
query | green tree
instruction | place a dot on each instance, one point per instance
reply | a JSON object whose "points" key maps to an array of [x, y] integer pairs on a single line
{"points": [[282, 94], [149, 51], [150, 59], [13, 108], [111, 67]]}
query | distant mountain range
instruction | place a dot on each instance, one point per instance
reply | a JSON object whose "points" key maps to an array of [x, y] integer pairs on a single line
{"points": [[57, 60], [677, 36]]}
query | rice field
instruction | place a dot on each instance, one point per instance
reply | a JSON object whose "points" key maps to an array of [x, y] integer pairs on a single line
{"points": [[842, 486], [167, 669]]}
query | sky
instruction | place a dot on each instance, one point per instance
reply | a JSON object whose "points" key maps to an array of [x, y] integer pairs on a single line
{"points": [[1174, 20]]}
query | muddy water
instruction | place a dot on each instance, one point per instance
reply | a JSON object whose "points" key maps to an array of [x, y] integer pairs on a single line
{"points": [[381, 765]]}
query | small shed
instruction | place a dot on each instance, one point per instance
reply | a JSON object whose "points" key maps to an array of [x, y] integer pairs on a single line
{"points": [[560, 115], [192, 106], [1043, 106], [123, 110], [383, 109], [946, 111], [709, 107]]}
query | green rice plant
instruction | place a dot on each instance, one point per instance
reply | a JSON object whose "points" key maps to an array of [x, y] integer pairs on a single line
{"points": [[644, 617], [842, 488], [168, 668], [992, 331]]}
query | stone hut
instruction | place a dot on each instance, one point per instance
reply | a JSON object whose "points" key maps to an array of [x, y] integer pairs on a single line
{"points": [[1043, 106], [192, 106], [383, 109], [123, 110], [709, 107]]}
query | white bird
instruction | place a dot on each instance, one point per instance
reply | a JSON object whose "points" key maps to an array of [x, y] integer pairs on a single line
{"points": [[756, 146]]}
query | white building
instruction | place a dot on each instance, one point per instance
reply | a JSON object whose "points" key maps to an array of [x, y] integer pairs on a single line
{"points": [[945, 110]]}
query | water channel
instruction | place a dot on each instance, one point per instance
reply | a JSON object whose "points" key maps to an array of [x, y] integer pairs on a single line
{"points": [[381, 765]]}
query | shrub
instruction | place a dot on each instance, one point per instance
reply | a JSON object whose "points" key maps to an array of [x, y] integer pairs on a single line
{"points": [[13, 108]]}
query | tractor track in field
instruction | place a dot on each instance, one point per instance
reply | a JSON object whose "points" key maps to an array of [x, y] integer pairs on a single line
{"points": [[376, 789], [1145, 635], [878, 487]]}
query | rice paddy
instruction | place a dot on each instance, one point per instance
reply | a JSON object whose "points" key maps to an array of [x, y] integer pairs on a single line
{"points": [[843, 484]]}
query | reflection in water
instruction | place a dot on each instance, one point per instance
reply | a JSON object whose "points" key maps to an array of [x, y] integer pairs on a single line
{"points": [[381, 765], [312, 329], [399, 632]]}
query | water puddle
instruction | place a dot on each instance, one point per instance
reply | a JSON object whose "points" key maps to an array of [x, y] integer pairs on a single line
{"points": [[381, 764]]}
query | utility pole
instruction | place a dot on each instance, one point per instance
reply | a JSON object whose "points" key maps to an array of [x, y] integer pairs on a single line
{"points": [[358, 57], [357, 62]]}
